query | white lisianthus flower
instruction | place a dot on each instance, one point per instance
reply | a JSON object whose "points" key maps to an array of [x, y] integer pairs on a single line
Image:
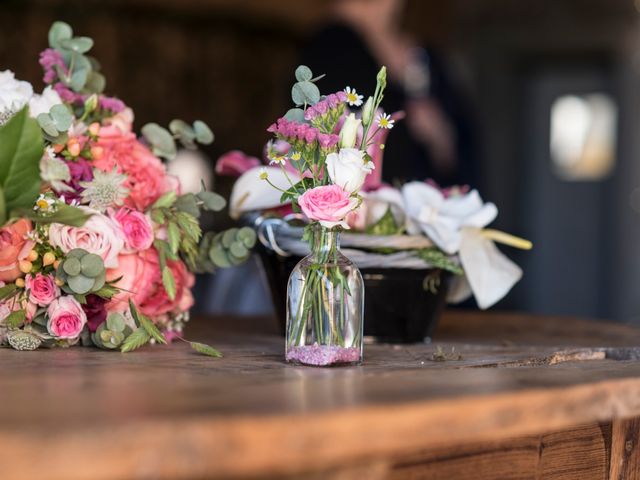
{"points": [[348, 168], [14, 94], [349, 131], [43, 103]]}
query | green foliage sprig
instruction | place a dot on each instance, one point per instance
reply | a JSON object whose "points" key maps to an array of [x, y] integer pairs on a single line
{"points": [[163, 141]]}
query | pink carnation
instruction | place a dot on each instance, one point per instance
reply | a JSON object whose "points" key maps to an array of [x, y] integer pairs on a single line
{"points": [[42, 289], [136, 227], [328, 204], [66, 319], [147, 178]]}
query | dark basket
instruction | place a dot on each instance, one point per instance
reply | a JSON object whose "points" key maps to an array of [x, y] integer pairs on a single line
{"points": [[397, 308]]}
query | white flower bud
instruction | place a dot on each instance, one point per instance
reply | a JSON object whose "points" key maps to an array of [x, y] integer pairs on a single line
{"points": [[349, 131]]}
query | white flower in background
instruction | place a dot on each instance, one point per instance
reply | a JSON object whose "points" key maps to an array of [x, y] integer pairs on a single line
{"points": [[348, 168], [43, 103], [384, 121], [263, 173], [278, 160], [443, 219], [14, 94], [349, 131], [105, 190], [55, 171], [353, 99], [44, 203]]}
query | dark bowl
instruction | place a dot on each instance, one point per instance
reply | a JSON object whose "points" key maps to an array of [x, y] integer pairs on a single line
{"points": [[397, 307]]}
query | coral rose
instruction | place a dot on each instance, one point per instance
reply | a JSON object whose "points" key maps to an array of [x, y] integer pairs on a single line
{"points": [[66, 318], [14, 246], [328, 204], [147, 177], [99, 235]]}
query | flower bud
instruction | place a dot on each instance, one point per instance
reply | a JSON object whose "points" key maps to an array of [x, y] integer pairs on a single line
{"points": [[33, 256], [96, 152], [25, 266], [48, 258], [20, 282], [94, 129], [56, 264], [59, 282], [263, 174], [349, 131], [367, 111], [91, 103], [73, 147]]}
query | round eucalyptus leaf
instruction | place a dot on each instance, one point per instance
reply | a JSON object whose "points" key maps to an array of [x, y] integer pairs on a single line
{"points": [[96, 82], [247, 236], [77, 44], [92, 265], [182, 128], [47, 124], [58, 32], [72, 267], [105, 336], [78, 79], [204, 135], [305, 92], [229, 237], [238, 250], [161, 140], [80, 284], [115, 322], [219, 256], [295, 115], [61, 116], [212, 201], [76, 253], [303, 73], [99, 281]]}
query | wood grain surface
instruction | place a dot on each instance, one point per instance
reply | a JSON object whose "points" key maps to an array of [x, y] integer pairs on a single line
{"points": [[168, 413]]}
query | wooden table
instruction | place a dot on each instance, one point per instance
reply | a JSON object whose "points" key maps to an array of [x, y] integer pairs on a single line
{"points": [[531, 398]]}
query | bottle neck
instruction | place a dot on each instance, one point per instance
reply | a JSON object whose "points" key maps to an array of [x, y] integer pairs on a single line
{"points": [[326, 242]]}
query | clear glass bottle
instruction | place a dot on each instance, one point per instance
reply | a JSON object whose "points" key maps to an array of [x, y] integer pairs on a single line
{"points": [[325, 306]]}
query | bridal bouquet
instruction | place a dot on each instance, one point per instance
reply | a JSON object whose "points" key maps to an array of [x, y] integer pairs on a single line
{"points": [[98, 243]]}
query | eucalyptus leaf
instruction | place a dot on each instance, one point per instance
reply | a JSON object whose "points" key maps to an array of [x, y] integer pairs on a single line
{"points": [[211, 201], [160, 139], [47, 124], [80, 284], [59, 32], [78, 79], [303, 73], [204, 135], [96, 82], [115, 322], [61, 117], [77, 44], [305, 93], [295, 115], [188, 203]]}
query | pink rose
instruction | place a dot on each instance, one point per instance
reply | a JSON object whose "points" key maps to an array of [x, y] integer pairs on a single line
{"points": [[142, 283], [14, 247], [136, 227], [66, 318], [99, 235], [328, 204], [147, 177], [42, 289]]}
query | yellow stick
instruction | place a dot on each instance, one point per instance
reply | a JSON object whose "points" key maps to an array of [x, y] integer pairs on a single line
{"points": [[507, 239]]}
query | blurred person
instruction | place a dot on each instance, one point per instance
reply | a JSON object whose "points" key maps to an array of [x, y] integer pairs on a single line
{"points": [[435, 139]]}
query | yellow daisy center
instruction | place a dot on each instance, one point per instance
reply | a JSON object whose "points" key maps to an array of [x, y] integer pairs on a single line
{"points": [[352, 97], [42, 204]]}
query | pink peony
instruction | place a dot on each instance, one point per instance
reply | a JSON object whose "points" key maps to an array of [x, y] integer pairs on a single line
{"points": [[14, 247], [136, 227], [99, 235], [328, 204], [42, 289], [66, 318], [147, 178]]}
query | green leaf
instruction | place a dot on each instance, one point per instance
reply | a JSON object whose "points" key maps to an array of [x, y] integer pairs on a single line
{"points": [[305, 93], [295, 115], [211, 201], [21, 148], [165, 201], [164, 249], [160, 139], [298, 189], [15, 319], [205, 349], [439, 259], [303, 73], [137, 339], [188, 203], [96, 82], [65, 214], [7, 291], [80, 284], [173, 234], [79, 79], [169, 282], [61, 117], [204, 135], [107, 291], [47, 124], [385, 226], [92, 265], [146, 324], [77, 44], [58, 32], [115, 322]]}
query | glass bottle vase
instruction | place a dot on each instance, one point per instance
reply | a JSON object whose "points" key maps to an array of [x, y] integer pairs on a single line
{"points": [[325, 306]]}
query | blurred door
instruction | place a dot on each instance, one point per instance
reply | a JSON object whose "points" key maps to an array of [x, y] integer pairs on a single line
{"points": [[569, 138]]}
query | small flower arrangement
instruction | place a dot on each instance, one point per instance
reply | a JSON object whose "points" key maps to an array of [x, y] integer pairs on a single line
{"points": [[98, 244]]}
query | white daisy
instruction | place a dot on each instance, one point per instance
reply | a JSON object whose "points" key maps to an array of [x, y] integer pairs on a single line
{"points": [[44, 203], [295, 156], [264, 174], [278, 159], [384, 121], [353, 99]]}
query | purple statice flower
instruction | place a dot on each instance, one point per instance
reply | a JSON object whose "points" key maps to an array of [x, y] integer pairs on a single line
{"points": [[321, 107], [328, 140], [302, 132], [95, 311], [341, 96], [273, 128], [310, 113], [66, 94], [112, 104], [311, 135], [49, 59], [80, 170]]}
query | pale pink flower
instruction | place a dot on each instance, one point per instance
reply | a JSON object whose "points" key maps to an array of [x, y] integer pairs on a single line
{"points": [[136, 227], [328, 204], [42, 289], [66, 319]]}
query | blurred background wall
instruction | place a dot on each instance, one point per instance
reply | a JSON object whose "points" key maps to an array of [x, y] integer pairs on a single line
{"points": [[536, 75]]}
